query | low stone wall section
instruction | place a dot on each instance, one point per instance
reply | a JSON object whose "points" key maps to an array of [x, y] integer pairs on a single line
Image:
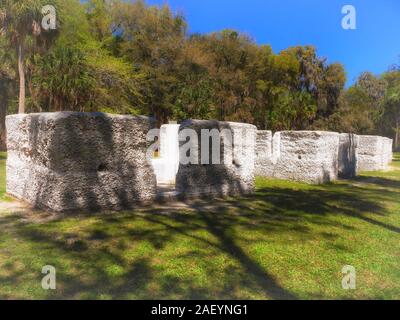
{"points": [[235, 172], [374, 153], [307, 156], [76, 161], [264, 165], [387, 152]]}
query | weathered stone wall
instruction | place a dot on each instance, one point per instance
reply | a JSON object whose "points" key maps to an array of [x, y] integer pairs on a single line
{"points": [[264, 165], [69, 160], [374, 153], [235, 173], [387, 152], [347, 157], [308, 156]]}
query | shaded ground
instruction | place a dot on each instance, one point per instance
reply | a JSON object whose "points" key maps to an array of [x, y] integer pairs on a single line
{"points": [[289, 240]]}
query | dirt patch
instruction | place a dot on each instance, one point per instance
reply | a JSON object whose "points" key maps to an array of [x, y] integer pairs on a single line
{"points": [[12, 206]]}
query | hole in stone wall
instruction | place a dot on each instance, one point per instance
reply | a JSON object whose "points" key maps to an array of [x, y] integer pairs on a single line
{"points": [[299, 156], [102, 167], [235, 163]]}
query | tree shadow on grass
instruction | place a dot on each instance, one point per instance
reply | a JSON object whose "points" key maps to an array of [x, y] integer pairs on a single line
{"points": [[328, 200], [277, 210], [212, 228], [382, 182]]}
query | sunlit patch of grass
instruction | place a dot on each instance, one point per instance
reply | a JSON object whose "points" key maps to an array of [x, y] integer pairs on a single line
{"points": [[3, 196], [396, 160], [289, 240]]}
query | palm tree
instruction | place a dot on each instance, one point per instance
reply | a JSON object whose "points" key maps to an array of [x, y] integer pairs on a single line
{"points": [[19, 21]]}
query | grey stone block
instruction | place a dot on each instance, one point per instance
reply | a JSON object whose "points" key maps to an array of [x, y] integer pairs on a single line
{"points": [[71, 161], [264, 165], [387, 152], [307, 156], [374, 153], [235, 173], [276, 155]]}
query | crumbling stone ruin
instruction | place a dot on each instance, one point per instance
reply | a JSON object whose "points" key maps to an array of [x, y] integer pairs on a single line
{"points": [[235, 172], [265, 163], [319, 156], [307, 156], [374, 153], [69, 160], [387, 157], [93, 161]]}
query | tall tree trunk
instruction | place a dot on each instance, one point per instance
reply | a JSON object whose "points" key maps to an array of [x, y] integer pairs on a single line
{"points": [[3, 113], [21, 72]]}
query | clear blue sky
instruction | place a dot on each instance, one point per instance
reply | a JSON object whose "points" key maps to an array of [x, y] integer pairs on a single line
{"points": [[374, 46]]}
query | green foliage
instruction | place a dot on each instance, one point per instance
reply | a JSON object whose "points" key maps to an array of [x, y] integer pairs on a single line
{"points": [[151, 38], [3, 196], [20, 24], [390, 121], [194, 100], [7, 77], [364, 108], [62, 80], [130, 57], [18, 18]]}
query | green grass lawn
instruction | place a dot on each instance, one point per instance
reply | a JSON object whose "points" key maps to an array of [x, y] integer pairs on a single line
{"points": [[289, 240], [3, 157]]}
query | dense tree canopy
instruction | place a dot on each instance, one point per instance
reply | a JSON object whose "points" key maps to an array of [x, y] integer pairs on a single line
{"points": [[128, 57]]}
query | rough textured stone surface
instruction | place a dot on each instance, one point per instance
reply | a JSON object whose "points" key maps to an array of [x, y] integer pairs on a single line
{"points": [[264, 165], [374, 153], [68, 160], [307, 156], [235, 173], [387, 152], [347, 157], [276, 155]]}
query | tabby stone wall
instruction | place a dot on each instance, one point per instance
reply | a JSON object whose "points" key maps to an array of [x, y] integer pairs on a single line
{"points": [[374, 153], [319, 156], [387, 152], [66, 161], [235, 172], [264, 165], [71, 161], [307, 156]]}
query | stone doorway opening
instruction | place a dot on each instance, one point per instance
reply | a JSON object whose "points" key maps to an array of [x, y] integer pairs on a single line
{"points": [[165, 161]]}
